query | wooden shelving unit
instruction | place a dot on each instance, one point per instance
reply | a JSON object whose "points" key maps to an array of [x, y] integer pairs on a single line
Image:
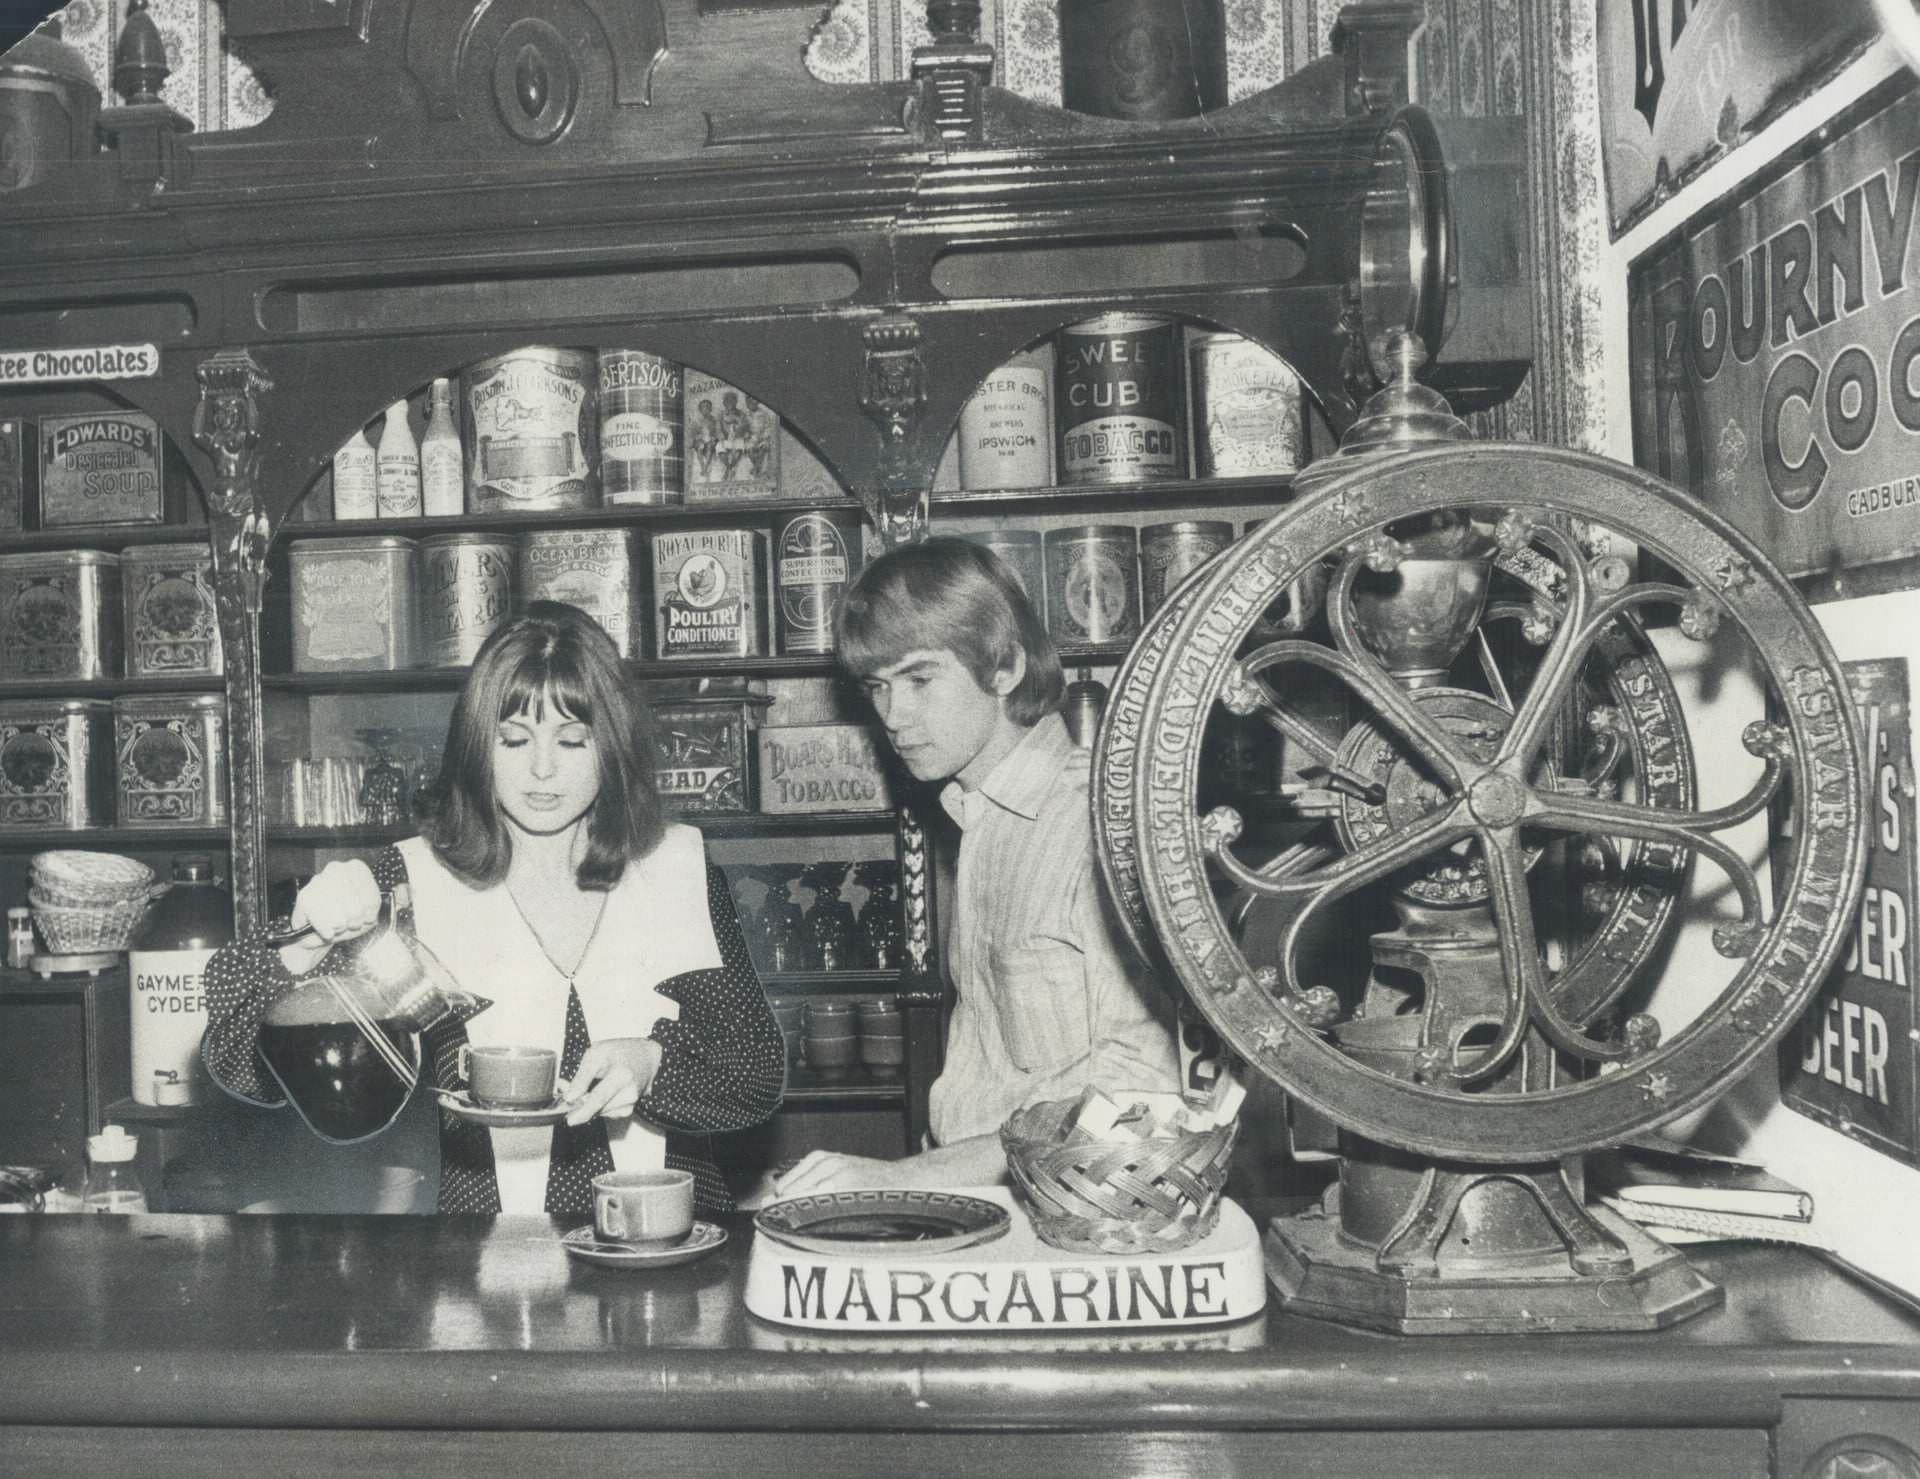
{"points": [[107, 687]]}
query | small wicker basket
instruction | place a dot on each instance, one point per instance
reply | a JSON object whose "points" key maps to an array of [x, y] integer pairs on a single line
{"points": [[1124, 1194], [97, 873], [88, 929]]}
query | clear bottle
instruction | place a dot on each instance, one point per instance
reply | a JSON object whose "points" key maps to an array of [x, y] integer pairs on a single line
{"points": [[399, 466], [443, 477], [113, 1181], [356, 493]]}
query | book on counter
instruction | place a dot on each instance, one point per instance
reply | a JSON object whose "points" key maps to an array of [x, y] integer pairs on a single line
{"points": [[1661, 1175], [1691, 1225]]}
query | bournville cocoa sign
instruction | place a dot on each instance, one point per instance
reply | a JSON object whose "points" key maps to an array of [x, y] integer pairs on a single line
{"points": [[1776, 346]]}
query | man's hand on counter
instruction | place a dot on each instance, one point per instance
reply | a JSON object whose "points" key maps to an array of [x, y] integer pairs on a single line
{"points": [[978, 1161]]}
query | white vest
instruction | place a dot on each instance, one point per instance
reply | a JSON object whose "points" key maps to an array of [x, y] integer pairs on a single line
{"points": [[656, 926]]}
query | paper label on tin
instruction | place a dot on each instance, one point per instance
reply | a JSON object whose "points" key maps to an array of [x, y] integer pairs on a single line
{"points": [[172, 624], [1095, 595], [346, 609], [732, 441], [528, 422], [1248, 402], [1119, 409], [704, 594], [100, 469], [813, 569], [703, 750]]}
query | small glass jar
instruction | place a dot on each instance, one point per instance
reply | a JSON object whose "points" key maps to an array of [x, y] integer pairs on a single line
{"points": [[113, 1181], [19, 938]]}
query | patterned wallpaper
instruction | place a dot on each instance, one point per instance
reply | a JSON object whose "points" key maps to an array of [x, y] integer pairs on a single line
{"points": [[1477, 58]]}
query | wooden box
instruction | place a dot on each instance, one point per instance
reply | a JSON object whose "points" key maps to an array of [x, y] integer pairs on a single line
{"points": [[805, 768]]}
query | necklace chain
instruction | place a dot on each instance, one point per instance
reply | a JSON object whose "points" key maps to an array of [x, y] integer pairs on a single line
{"points": [[592, 935]]}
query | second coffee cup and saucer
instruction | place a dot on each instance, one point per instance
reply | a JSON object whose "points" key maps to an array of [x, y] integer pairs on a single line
{"points": [[643, 1219], [507, 1087]]}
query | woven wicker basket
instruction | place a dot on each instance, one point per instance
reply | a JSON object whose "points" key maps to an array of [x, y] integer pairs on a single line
{"points": [[67, 896], [92, 872], [81, 931], [1119, 1195]]}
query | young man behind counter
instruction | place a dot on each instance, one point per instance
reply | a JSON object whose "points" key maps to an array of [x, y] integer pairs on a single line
{"points": [[1052, 999]]}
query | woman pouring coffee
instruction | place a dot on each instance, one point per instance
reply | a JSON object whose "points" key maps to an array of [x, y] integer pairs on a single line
{"points": [[548, 883]]}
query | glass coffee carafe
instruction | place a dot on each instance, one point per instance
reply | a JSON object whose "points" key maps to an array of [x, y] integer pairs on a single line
{"points": [[344, 1044]]}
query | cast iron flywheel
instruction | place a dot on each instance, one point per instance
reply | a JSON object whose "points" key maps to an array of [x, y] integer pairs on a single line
{"points": [[1453, 795]]}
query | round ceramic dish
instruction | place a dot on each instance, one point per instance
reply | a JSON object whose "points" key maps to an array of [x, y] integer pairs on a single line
{"points": [[868, 1221]]}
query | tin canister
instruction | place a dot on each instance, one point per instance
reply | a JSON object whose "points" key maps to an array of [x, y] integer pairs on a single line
{"points": [[732, 441], [589, 568], [816, 556], [1019, 551], [60, 615], [1093, 583], [641, 452], [173, 625], [531, 430], [19, 460], [469, 592], [707, 593], [1247, 404], [1006, 427], [705, 729], [170, 760], [1169, 553], [56, 763], [1118, 401], [101, 467], [355, 604]]}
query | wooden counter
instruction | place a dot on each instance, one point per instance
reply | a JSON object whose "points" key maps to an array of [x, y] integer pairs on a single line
{"points": [[345, 1346]]}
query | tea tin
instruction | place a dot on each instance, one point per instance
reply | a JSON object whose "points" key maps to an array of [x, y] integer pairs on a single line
{"points": [[469, 592], [1006, 426], [642, 459], [1247, 404], [816, 556], [732, 442], [19, 461], [101, 467], [60, 615], [707, 593], [1118, 402], [1169, 553], [591, 569], [532, 430], [1019, 551], [170, 760], [1093, 583], [56, 763], [355, 604], [172, 622]]}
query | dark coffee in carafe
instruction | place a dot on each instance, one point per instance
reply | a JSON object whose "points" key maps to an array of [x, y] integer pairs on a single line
{"points": [[334, 1075]]}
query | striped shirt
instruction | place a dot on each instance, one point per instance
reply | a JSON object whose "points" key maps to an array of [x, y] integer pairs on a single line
{"points": [[1052, 997]]}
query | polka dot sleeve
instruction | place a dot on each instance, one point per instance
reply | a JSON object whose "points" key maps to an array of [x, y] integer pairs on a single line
{"points": [[723, 1063], [243, 979]]}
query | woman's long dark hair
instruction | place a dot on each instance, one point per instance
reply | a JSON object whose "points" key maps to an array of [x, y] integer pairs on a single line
{"points": [[553, 654]]}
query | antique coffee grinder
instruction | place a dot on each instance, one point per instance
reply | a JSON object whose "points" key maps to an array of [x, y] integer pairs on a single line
{"points": [[1512, 807]]}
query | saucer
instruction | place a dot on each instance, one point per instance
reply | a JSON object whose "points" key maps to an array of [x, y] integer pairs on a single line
{"points": [[457, 1101], [586, 1245]]}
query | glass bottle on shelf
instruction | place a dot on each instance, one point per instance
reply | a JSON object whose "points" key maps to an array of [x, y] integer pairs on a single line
{"points": [[831, 920], [383, 793], [879, 929], [356, 492], [113, 1182], [785, 930], [399, 466], [443, 480]]}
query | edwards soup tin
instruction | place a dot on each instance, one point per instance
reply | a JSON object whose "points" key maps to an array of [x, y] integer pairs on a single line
{"points": [[172, 625], [170, 761], [60, 615]]}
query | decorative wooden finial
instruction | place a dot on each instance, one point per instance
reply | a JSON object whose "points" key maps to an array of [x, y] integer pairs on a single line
{"points": [[140, 58]]}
